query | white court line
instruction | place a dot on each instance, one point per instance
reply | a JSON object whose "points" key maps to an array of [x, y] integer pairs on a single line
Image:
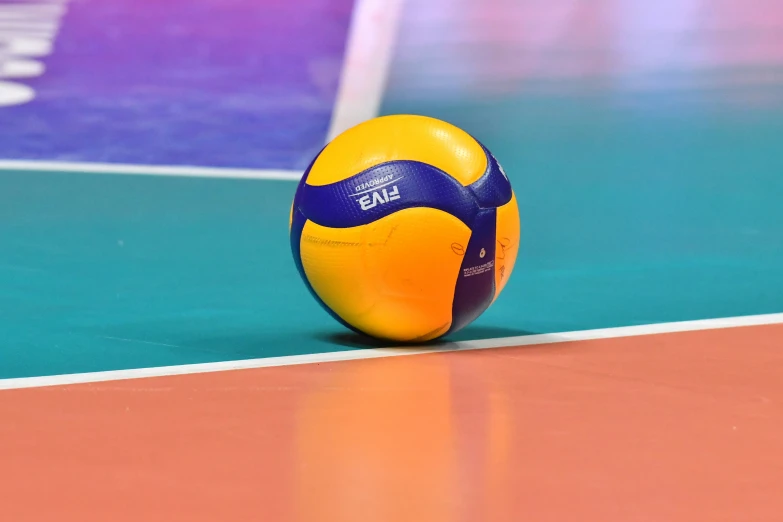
{"points": [[368, 56], [149, 170], [352, 355]]}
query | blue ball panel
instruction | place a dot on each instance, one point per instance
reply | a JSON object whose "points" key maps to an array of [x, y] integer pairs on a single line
{"points": [[383, 190], [492, 189], [476, 281]]}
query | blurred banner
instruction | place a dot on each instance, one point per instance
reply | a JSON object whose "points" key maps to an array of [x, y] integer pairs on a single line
{"points": [[461, 48], [228, 83]]}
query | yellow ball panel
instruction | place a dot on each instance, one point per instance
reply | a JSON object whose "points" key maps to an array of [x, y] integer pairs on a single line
{"points": [[400, 137], [508, 236], [393, 278]]}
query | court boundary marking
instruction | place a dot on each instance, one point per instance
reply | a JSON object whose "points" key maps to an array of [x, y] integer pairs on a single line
{"points": [[368, 53], [148, 170], [375, 353]]}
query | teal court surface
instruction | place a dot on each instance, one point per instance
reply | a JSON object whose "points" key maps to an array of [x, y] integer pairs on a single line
{"points": [[648, 192], [644, 142]]}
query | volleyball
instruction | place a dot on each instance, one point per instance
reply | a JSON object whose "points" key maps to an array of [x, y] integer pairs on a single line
{"points": [[405, 228]]}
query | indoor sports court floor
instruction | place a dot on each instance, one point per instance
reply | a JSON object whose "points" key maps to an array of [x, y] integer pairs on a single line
{"points": [[160, 358]]}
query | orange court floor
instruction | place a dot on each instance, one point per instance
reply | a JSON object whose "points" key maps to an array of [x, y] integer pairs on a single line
{"points": [[673, 426]]}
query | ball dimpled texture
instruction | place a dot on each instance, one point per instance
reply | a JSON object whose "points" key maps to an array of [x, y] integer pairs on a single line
{"points": [[405, 228]]}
